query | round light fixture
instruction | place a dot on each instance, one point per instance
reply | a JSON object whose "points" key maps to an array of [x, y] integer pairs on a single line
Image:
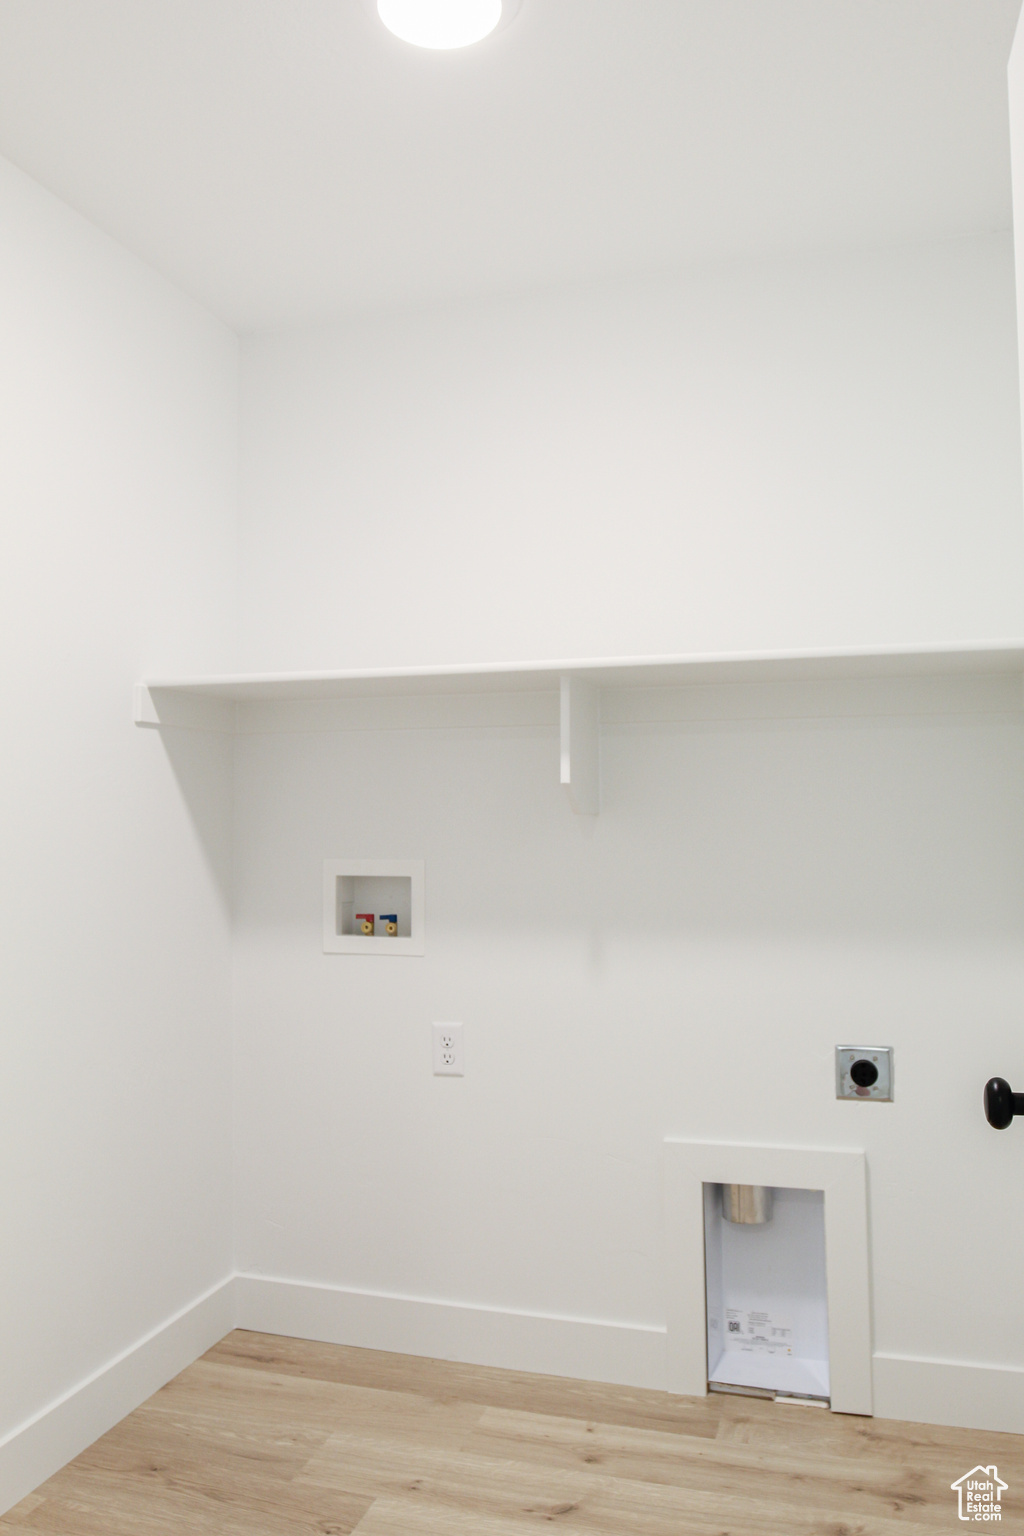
{"points": [[444, 23]]}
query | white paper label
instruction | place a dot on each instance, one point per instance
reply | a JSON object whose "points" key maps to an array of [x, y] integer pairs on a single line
{"points": [[757, 1333]]}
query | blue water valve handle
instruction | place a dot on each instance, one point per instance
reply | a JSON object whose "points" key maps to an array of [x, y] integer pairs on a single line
{"points": [[1001, 1103]]}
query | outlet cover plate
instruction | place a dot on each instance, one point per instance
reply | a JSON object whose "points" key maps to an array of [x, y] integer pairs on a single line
{"points": [[449, 1057], [880, 1057]]}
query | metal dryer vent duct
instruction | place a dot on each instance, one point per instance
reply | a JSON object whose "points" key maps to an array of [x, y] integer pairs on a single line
{"points": [[748, 1205]]}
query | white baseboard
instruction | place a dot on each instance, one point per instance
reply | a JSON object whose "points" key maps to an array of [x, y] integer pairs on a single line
{"points": [[629, 1354], [42, 1445], [949, 1392], [923, 1391]]}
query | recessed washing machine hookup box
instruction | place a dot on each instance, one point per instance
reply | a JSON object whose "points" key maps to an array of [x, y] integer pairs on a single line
{"points": [[373, 907]]}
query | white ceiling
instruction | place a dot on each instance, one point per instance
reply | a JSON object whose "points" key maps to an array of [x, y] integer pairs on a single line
{"points": [[289, 160]]}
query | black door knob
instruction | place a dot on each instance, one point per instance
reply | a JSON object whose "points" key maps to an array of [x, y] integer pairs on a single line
{"points": [[1001, 1103]]}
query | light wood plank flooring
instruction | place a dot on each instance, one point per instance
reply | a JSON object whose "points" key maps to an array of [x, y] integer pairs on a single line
{"points": [[269, 1436]]}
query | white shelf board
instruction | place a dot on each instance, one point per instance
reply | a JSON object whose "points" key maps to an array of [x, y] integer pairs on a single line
{"points": [[627, 672]]}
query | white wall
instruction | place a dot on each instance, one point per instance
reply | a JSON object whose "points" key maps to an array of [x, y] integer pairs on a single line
{"points": [[118, 404], [1015, 88], [803, 455], [775, 870], [810, 455], [813, 454]]}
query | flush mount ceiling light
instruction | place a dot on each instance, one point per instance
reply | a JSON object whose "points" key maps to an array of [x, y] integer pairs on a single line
{"points": [[445, 23]]}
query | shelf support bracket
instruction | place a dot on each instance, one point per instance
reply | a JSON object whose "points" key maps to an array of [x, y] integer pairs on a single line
{"points": [[581, 744], [144, 708]]}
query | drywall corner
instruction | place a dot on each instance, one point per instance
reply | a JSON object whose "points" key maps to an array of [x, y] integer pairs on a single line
{"points": [[38, 1448]]}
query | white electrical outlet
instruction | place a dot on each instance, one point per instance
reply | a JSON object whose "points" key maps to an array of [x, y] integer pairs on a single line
{"points": [[449, 1060]]}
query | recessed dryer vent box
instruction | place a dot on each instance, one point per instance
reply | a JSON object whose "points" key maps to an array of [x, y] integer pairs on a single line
{"points": [[767, 1296], [796, 1288], [375, 894]]}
